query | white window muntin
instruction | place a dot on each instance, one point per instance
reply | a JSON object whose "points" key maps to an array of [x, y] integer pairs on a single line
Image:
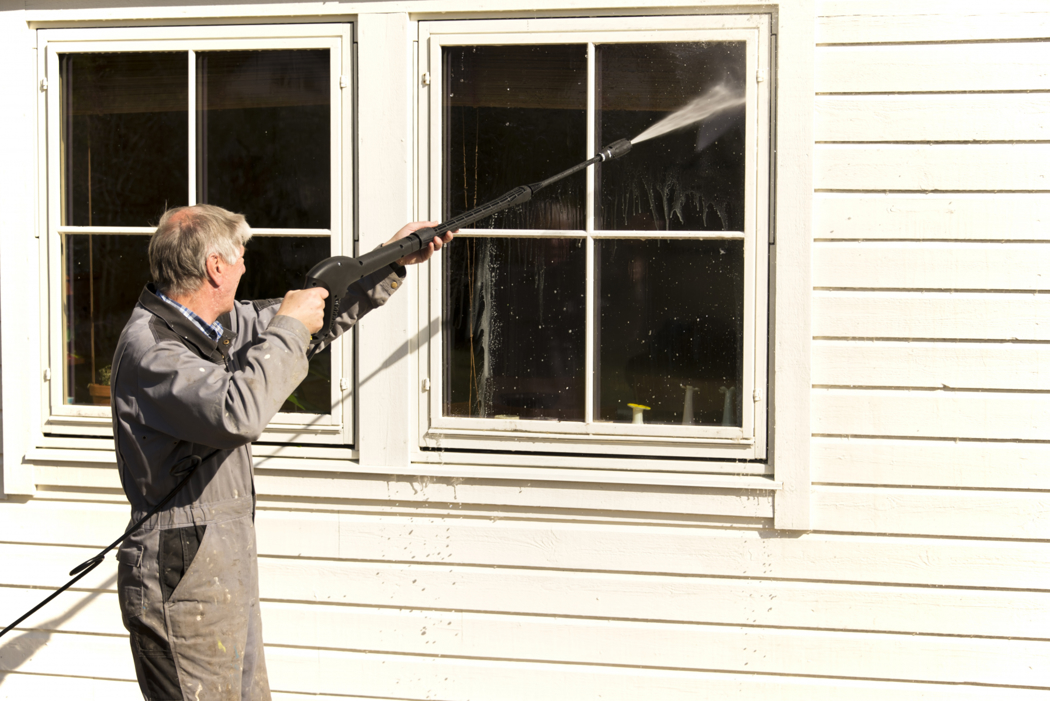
{"points": [[60, 417], [745, 442]]}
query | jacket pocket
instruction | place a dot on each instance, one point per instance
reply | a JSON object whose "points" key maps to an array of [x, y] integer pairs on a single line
{"points": [[178, 549], [129, 580]]}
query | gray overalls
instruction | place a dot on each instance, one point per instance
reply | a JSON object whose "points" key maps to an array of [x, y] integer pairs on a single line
{"points": [[187, 579]]}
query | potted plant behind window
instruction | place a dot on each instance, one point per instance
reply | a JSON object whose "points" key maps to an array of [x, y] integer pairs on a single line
{"points": [[100, 392]]}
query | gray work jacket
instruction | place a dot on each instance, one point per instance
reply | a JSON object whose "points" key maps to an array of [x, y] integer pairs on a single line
{"points": [[177, 393]]}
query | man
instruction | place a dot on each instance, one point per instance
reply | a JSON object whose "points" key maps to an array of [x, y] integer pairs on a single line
{"points": [[196, 378]]}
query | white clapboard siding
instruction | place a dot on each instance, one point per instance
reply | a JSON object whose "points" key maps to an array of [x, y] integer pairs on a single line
{"points": [[67, 654], [67, 475], [935, 512], [997, 217], [361, 674], [646, 644], [962, 117], [971, 366], [875, 21], [696, 599], [604, 497], [714, 600], [931, 414], [994, 66], [19, 687], [712, 552], [932, 168], [406, 489], [484, 635], [549, 544], [944, 463], [417, 677], [935, 315], [932, 266]]}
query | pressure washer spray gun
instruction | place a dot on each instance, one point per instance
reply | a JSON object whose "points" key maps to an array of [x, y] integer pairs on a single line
{"points": [[338, 273]]}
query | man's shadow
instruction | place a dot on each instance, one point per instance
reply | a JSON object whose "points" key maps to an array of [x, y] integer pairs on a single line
{"points": [[17, 651]]}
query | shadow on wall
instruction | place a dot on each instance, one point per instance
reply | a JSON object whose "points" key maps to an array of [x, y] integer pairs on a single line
{"points": [[17, 651]]}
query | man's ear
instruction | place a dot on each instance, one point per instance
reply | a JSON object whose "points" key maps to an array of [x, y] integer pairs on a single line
{"points": [[215, 270]]}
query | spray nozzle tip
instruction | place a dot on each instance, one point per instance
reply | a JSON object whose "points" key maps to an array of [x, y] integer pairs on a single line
{"points": [[615, 149]]}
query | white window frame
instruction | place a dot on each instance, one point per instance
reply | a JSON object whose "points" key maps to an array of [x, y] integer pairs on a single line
{"points": [[81, 420], [722, 446]]}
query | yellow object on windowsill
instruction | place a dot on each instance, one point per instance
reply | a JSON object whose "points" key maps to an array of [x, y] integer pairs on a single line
{"points": [[637, 409]]}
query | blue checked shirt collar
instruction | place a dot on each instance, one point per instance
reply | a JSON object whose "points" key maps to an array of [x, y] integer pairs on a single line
{"points": [[212, 331]]}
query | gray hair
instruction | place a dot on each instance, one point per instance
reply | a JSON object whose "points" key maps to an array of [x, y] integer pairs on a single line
{"points": [[184, 240]]}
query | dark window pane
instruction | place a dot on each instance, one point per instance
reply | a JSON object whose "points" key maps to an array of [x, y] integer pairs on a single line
{"points": [[274, 265], [104, 275], [264, 125], [514, 328], [688, 180], [671, 330], [124, 136], [514, 115]]}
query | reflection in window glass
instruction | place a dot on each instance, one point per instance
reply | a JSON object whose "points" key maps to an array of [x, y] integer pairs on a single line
{"points": [[514, 328], [124, 135], [515, 115], [104, 275], [263, 150], [671, 331], [263, 119], [690, 180]]}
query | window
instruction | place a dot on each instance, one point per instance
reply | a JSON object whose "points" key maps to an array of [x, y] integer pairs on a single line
{"points": [[140, 120], [623, 311]]}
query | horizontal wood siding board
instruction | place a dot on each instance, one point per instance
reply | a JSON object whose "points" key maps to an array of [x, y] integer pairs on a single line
{"points": [[358, 487], [925, 463], [677, 646], [553, 495], [932, 168], [932, 512], [932, 118], [932, 266], [646, 644], [501, 542], [16, 686], [932, 365], [76, 476], [998, 66], [933, 217], [510, 681], [498, 541], [365, 674], [937, 414], [602, 596], [878, 21], [949, 316]]}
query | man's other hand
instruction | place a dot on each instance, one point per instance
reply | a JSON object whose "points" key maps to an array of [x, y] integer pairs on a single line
{"points": [[423, 254], [307, 306]]}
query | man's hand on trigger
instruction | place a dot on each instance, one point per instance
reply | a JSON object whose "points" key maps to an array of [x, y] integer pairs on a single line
{"points": [[307, 306], [423, 254]]}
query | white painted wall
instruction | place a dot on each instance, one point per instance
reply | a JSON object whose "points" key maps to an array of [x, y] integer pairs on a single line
{"points": [[925, 574]]}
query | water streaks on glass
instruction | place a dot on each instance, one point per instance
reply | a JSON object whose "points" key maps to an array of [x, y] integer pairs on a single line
{"points": [[689, 180], [514, 328]]}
